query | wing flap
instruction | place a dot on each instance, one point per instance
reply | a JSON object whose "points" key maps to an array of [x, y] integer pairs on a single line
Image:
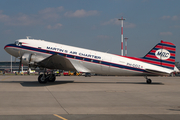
{"points": [[79, 66]]}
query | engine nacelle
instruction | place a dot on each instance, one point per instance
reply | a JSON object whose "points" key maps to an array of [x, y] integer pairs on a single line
{"points": [[31, 59]]}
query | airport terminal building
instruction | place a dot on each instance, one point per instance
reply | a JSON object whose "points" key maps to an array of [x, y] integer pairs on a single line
{"points": [[6, 66]]}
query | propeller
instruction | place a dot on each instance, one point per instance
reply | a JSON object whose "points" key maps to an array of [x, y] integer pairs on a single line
{"points": [[20, 64]]}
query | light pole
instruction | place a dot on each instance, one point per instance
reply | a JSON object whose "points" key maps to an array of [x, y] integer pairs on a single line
{"points": [[121, 34]]}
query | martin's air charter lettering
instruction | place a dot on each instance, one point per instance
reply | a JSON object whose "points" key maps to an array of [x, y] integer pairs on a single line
{"points": [[57, 49], [74, 52], [90, 56]]}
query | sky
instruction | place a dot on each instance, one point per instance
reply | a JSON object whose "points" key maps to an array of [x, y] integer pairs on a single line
{"points": [[92, 24]]}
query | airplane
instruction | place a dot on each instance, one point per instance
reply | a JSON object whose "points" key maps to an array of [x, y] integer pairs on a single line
{"points": [[159, 61]]}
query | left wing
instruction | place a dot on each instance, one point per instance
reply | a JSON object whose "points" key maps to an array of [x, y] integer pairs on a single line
{"points": [[59, 62], [56, 62]]}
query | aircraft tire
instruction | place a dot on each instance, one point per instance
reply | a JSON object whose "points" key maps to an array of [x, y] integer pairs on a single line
{"points": [[148, 81], [51, 78], [42, 79]]}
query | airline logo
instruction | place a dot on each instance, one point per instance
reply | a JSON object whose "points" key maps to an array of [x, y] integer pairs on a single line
{"points": [[162, 54]]}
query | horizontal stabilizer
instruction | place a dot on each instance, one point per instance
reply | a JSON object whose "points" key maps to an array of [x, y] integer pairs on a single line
{"points": [[155, 72]]}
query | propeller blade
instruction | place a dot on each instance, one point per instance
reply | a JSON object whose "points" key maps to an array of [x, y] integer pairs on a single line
{"points": [[20, 65]]}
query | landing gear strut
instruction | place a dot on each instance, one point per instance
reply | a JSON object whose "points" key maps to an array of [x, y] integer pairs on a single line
{"points": [[148, 81], [44, 78], [51, 77]]}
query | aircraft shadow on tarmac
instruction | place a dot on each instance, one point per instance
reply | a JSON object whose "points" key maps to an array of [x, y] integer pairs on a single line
{"points": [[37, 84], [154, 83]]}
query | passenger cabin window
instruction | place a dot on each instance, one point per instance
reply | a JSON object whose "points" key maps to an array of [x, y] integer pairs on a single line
{"points": [[39, 47]]}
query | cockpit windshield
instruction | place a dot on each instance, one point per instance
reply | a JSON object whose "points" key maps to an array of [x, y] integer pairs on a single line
{"points": [[18, 43]]}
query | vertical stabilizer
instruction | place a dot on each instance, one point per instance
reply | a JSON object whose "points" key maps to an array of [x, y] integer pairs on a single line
{"points": [[163, 54]]}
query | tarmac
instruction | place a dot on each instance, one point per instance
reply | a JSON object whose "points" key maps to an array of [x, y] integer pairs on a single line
{"points": [[89, 98]]}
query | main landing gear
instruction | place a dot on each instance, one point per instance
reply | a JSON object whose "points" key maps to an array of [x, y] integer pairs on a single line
{"points": [[44, 78], [148, 81]]}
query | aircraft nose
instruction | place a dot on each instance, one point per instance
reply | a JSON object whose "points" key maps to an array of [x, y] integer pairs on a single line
{"points": [[5, 46], [10, 48], [7, 49]]}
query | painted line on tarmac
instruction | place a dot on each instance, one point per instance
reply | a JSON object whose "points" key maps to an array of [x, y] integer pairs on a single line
{"points": [[60, 117], [6, 78]]}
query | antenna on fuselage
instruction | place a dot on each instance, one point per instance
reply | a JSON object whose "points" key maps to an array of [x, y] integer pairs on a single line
{"points": [[28, 37], [107, 51]]}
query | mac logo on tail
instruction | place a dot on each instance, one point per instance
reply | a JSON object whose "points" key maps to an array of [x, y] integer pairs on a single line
{"points": [[162, 54]]}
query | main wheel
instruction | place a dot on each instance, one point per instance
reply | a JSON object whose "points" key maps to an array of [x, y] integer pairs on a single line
{"points": [[51, 78], [42, 78], [148, 81]]}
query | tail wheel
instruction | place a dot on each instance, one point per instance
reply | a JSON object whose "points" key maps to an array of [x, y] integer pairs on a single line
{"points": [[88, 75], [42, 78], [148, 81]]}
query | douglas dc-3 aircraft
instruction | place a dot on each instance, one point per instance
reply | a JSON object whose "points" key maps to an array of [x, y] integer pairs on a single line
{"points": [[160, 60]]}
